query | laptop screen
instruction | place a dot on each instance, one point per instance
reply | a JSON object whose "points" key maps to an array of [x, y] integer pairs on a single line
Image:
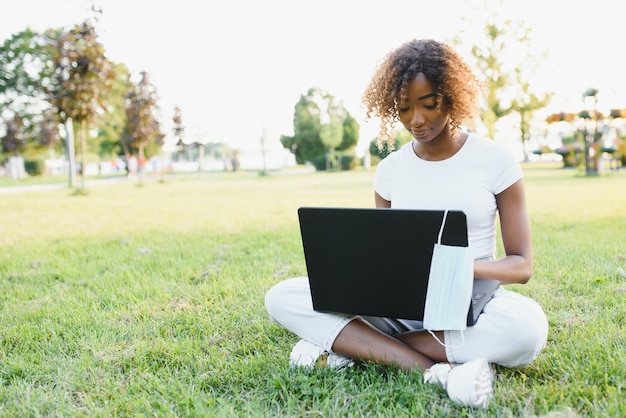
{"points": [[372, 261]]}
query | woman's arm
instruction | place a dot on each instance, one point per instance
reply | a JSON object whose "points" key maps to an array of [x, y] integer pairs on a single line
{"points": [[516, 265], [380, 202]]}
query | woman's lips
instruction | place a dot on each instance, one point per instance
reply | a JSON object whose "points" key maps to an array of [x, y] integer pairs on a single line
{"points": [[419, 133]]}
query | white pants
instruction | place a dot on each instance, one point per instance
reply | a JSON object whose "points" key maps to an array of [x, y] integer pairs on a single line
{"points": [[511, 331]]}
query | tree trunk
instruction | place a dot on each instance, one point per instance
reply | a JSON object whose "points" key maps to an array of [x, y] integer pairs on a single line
{"points": [[83, 151], [71, 153]]}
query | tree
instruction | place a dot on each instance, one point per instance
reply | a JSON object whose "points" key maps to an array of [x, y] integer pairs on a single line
{"points": [[142, 126], [322, 126], [525, 104], [179, 131], [84, 79], [26, 74], [505, 62], [49, 128], [179, 127], [503, 59], [110, 128], [13, 140], [12, 143], [305, 144], [331, 130], [350, 137], [490, 65]]}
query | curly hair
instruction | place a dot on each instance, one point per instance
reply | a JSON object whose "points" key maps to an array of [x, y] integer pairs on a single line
{"points": [[455, 84]]}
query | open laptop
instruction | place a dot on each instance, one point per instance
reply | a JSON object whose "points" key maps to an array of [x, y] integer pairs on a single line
{"points": [[376, 262]]}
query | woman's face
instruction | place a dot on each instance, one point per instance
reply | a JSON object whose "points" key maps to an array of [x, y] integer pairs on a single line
{"points": [[419, 112]]}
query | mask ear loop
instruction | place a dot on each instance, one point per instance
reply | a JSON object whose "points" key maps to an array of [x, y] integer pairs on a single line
{"points": [[443, 224], [448, 345]]}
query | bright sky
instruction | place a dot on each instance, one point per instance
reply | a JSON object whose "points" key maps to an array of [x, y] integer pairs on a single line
{"points": [[238, 67]]}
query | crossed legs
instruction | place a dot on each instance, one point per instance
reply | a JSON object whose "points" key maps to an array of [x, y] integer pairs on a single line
{"points": [[360, 340]]}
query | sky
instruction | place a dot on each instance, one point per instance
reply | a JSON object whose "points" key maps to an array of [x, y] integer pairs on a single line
{"points": [[237, 68]]}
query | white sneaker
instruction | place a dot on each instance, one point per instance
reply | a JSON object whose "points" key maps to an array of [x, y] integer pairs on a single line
{"points": [[469, 384], [438, 374], [307, 354]]}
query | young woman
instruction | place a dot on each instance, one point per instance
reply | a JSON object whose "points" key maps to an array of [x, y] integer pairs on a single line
{"points": [[431, 91]]}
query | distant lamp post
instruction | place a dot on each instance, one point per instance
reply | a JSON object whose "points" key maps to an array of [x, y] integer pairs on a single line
{"points": [[589, 123], [263, 141], [591, 118]]}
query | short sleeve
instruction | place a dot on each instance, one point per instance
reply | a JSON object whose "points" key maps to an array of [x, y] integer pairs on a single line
{"points": [[507, 170], [382, 179]]}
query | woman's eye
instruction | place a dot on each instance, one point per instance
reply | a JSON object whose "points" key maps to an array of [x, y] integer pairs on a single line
{"points": [[431, 107], [403, 109]]}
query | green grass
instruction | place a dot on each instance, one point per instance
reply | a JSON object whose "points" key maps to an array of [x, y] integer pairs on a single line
{"points": [[148, 301]]}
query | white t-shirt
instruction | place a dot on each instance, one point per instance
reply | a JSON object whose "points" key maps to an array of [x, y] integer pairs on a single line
{"points": [[467, 181]]}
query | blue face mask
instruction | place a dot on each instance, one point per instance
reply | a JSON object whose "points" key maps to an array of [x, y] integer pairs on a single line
{"points": [[450, 285]]}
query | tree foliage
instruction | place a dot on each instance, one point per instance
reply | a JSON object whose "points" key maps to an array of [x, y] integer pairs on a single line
{"points": [[322, 126], [525, 104], [506, 63], [142, 126], [26, 74], [83, 80], [350, 135], [49, 128], [179, 127], [83, 73], [112, 125], [13, 140], [488, 60]]}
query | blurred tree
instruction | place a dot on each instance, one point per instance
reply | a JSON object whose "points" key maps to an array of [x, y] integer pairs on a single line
{"points": [[179, 127], [179, 133], [142, 126], [488, 60], [506, 62], [350, 137], [331, 129], [13, 140], [322, 126], [49, 128], [110, 128], [26, 75], [84, 79], [525, 104]]}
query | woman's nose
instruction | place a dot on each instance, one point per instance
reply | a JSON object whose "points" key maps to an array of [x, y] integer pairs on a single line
{"points": [[417, 118]]}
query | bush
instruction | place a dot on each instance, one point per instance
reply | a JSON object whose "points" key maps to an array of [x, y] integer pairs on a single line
{"points": [[319, 162], [343, 162], [348, 161], [573, 155], [34, 167]]}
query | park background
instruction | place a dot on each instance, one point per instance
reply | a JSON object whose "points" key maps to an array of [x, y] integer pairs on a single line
{"points": [[237, 70]]}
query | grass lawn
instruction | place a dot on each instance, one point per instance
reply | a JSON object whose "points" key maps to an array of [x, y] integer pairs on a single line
{"points": [[148, 301]]}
